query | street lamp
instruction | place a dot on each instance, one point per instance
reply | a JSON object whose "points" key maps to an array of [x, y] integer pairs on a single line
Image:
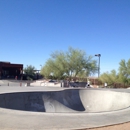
{"points": [[41, 66], [99, 55]]}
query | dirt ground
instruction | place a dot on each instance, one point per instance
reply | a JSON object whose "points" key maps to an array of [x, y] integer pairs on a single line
{"points": [[124, 126]]}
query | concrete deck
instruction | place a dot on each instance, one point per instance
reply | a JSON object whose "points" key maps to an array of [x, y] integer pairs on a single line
{"points": [[14, 119]]}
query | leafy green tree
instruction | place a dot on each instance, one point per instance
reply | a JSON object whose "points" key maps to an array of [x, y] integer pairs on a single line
{"points": [[29, 70], [110, 78], [124, 71], [72, 63], [123, 75]]}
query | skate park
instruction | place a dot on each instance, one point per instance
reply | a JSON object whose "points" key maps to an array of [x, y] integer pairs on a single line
{"points": [[42, 107]]}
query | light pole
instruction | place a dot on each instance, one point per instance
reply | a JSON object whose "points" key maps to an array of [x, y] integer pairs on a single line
{"points": [[99, 55], [41, 66]]}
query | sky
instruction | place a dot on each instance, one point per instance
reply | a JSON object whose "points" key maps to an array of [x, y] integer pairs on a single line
{"points": [[31, 30]]}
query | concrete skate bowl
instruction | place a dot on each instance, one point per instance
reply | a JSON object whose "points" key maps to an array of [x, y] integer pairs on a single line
{"points": [[66, 101]]}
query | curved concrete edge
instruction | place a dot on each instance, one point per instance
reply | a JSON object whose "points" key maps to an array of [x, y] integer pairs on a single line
{"points": [[101, 101], [33, 120], [22, 120], [67, 100]]}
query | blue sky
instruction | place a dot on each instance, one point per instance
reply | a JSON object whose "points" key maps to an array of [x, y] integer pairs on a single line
{"points": [[30, 30]]}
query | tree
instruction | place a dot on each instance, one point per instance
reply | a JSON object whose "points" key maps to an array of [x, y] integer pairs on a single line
{"points": [[29, 70], [124, 71], [123, 76], [72, 63], [110, 78]]}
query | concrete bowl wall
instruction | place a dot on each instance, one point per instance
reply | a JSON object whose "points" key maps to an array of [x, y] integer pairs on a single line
{"points": [[102, 101], [52, 101], [69, 100]]}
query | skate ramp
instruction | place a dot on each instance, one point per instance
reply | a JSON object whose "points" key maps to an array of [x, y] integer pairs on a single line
{"points": [[65, 101], [45, 83], [102, 101], [54, 101]]}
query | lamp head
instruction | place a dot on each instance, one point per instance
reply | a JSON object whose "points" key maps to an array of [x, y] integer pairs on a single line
{"points": [[98, 55]]}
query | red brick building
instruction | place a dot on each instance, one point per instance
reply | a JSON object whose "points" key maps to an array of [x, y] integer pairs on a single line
{"points": [[9, 70]]}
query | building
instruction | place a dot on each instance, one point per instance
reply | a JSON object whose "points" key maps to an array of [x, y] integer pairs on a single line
{"points": [[9, 70]]}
